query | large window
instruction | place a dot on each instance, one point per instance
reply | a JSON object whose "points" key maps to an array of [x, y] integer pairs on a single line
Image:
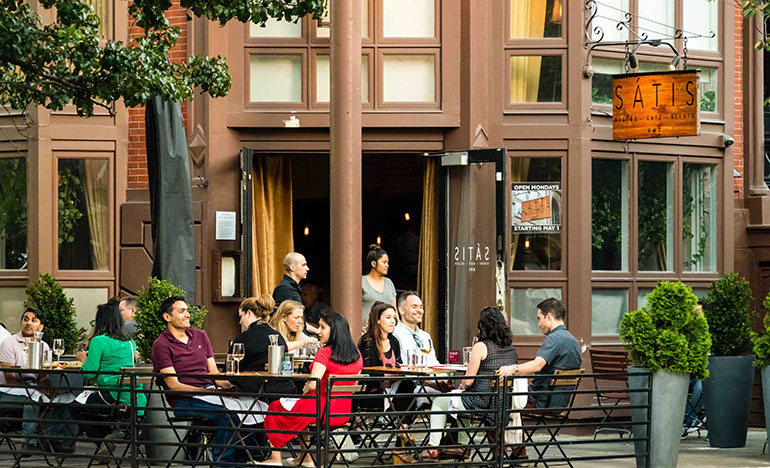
{"points": [[535, 54], [288, 63], [13, 213], [536, 227], [84, 214], [524, 303], [653, 218]]}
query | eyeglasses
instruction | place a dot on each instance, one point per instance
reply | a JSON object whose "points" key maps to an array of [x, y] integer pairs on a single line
{"points": [[389, 364]]}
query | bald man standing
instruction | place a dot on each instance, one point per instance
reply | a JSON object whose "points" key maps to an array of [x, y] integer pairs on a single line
{"points": [[296, 269]]}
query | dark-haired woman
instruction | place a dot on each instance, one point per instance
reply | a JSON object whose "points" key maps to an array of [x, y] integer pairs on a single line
{"points": [[110, 349], [338, 356], [494, 349], [379, 347], [374, 285]]}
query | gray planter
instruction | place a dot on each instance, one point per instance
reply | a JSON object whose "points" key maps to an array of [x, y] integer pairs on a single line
{"points": [[669, 395], [766, 397], [727, 395]]}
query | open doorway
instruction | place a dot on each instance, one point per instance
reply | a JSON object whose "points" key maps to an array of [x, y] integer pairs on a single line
{"points": [[391, 208]]}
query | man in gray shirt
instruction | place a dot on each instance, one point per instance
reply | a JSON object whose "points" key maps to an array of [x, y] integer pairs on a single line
{"points": [[560, 351], [127, 308]]}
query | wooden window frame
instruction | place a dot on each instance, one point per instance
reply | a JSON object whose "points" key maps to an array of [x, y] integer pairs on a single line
{"points": [[530, 107], [251, 41], [16, 274], [316, 41], [313, 81], [379, 25], [248, 104], [65, 274], [380, 82], [536, 339], [535, 42], [544, 275]]}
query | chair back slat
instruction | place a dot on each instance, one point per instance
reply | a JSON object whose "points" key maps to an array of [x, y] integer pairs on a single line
{"points": [[609, 361], [566, 378]]}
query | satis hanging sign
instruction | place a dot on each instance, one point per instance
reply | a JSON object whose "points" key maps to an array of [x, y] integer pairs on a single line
{"points": [[655, 105]]}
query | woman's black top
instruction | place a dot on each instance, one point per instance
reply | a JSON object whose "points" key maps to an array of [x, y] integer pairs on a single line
{"points": [[497, 356], [255, 341], [372, 358]]}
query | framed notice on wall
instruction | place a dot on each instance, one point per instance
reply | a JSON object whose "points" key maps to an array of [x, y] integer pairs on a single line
{"points": [[536, 207]]}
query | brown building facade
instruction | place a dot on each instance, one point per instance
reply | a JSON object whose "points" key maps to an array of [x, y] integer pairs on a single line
{"points": [[437, 76]]}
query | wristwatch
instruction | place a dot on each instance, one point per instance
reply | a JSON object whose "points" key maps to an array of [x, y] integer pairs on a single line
{"points": [[515, 369]]}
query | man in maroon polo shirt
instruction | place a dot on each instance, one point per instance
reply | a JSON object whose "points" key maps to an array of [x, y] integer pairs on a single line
{"points": [[183, 350]]}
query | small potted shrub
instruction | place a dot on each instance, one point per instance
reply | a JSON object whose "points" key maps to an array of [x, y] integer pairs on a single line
{"points": [[149, 324], [672, 340], [727, 390], [47, 295], [762, 350]]}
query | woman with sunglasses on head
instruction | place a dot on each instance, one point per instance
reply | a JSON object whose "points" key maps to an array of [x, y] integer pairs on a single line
{"points": [[338, 356], [379, 348], [494, 349]]}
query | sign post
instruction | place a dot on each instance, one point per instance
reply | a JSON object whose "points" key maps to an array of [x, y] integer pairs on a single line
{"points": [[655, 105]]}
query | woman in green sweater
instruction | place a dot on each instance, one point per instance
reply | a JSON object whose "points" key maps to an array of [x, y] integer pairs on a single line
{"points": [[110, 349]]}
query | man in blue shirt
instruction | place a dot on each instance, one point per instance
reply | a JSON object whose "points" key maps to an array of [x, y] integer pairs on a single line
{"points": [[560, 351]]}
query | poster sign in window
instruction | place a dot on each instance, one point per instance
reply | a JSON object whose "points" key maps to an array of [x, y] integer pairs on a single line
{"points": [[536, 207]]}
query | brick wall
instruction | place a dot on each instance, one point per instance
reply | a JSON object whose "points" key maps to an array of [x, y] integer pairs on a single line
{"points": [[137, 152], [738, 105]]}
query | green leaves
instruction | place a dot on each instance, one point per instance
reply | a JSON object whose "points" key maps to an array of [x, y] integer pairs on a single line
{"points": [[59, 311], [668, 333], [66, 61], [726, 308]]}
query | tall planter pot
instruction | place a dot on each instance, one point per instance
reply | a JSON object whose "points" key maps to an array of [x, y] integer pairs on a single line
{"points": [[766, 397], [669, 395], [727, 394]]}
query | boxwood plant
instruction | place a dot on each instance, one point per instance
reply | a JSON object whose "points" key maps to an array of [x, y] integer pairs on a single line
{"points": [[668, 333], [727, 311], [762, 343]]}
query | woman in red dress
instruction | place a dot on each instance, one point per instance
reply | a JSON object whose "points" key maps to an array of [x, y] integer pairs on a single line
{"points": [[339, 355]]}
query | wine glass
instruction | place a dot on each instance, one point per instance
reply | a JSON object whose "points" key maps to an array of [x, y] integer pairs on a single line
{"points": [[58, 349], [238, 353]]}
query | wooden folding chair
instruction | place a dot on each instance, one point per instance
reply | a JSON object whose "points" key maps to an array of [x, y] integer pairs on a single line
{"points": [[610, 366]]}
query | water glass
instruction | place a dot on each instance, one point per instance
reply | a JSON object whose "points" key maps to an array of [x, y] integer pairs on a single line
{"points": [[273, 339], [230, 365], [411, 357], [47, 358], [467, 355]]}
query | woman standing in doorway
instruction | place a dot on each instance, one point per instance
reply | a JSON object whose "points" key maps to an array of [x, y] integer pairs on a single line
{"points": [[374, 285]]}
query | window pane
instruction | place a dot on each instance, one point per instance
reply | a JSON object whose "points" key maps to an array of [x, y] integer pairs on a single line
{"points": [[656, 18], [323, 83], [656, 220], [645, 67], [13, 214], [84, 214], [601, 82], [699, 217], [408, 18], [276, 78], [419, 71], [535, 79], [609, 215], [276, 28], [11, 306], [701, 18], [524, 308], [100, 10], [608, 14], [536, 212], [536, 18], [608, 306], [707, 89], [322, 27]]}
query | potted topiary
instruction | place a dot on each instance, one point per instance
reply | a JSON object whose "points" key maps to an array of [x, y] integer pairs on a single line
{"points": [[672, 340], [762, 350], [47, 295], [727, 390], [149, 324]]}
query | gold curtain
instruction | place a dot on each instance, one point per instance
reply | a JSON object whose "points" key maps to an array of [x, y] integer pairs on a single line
{"points": [[527, 21], [519, 173], [273, 235], [96, 188], [427, 267]]}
